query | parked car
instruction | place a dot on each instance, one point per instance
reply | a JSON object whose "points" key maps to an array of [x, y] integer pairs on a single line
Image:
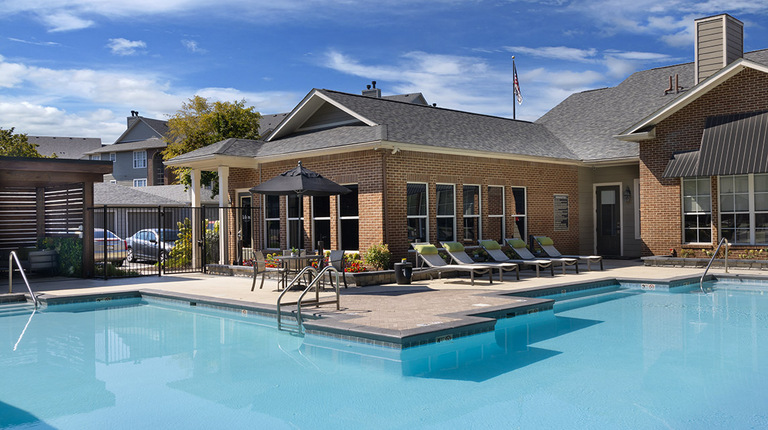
{"points": [[151, 244], [116, 248]]}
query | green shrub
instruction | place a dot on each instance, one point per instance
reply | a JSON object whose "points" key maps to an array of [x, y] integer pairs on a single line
{"points": [[378, 256], [70, 251]]}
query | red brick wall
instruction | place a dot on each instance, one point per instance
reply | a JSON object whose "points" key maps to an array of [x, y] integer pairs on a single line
{"points": [[383, 214], [660, 210]]}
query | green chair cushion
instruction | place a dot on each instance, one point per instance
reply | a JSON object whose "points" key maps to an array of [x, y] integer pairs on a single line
{"points": [[545, 241], [426, 249], [490, 244], [516, 243], [453, 246]]}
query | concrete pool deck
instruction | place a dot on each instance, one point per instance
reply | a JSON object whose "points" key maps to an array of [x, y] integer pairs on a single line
{"points": [[390, 314]]}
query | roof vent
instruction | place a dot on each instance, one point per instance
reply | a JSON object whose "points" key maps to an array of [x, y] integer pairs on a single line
{"points": [[719, 42], [372, 92], [676, 88]]}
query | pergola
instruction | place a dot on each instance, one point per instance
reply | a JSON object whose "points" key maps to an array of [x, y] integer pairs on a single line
{"points": [[48, 197]]}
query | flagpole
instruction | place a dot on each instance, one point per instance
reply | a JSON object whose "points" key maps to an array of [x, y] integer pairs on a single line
{"points": [[514, 91]]}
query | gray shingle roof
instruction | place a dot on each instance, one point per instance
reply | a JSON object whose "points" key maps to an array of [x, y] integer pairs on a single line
{"points": [[446, 128], [131, 146], [165, 195], [586, 122], [65, 147]]}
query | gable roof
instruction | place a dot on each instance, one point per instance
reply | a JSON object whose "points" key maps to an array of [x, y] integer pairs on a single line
{"points": [[589, 122], [689, 97], [151, 143], [65, 147], [158, 127]]}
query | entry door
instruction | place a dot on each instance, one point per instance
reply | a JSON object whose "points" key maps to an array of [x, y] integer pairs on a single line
{"points": [[245, 220], [608, 220]]}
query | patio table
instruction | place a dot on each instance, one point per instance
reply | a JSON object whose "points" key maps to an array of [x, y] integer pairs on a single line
{"points": [[301, 261]]}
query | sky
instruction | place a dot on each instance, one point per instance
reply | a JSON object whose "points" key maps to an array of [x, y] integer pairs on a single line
{"points": [[77, 68]]}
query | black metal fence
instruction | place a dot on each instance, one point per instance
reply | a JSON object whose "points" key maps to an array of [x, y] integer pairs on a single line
{"points": [[142, 241]]}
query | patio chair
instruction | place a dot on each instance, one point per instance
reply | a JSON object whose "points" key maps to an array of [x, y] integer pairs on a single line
{"points": [[260, 266], [459, 255], [494, 251], [521, 250], [336, 259], [548, 245], [428, 254]]}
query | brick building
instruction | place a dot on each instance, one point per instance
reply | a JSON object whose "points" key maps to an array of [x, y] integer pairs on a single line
{"points": [[594, 173]]}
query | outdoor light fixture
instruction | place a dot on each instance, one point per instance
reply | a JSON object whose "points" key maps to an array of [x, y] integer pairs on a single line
{"points": [[627, 194]]}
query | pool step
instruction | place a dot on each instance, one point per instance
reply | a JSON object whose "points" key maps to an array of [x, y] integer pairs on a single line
{"points": [[13, 309], [586, 299]]}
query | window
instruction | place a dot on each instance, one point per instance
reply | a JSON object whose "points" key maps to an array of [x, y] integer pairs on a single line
{"points": [[295, 221], [417, 212], [744, 208], [140, 182], [446, 213], [472, 230], [697, 210], [112, 156], [139, 159], [321, 218], [349, 219], [496, 224], [272, 221], [521, 211]]}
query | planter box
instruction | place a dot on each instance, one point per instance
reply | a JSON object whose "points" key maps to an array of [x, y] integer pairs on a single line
{"points": [[702, 262]]}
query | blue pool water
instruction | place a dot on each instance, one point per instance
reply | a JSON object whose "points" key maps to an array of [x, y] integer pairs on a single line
{"points": [[616, 358]]}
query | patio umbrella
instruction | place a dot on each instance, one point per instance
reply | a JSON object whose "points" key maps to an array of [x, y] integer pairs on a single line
{"points": [[302, 182]]}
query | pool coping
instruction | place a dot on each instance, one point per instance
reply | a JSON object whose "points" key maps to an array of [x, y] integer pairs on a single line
{"points": [[343, 326]]}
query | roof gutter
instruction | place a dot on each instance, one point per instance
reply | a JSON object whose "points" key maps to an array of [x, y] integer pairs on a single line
{"points": [[637, 137]]}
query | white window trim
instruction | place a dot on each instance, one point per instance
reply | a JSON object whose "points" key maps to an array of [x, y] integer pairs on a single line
{"points": [[503, 214], [524, 216], [453, 217], [112, 156], [288, 220], [266, 221], [424, 217], [683, 213], [144, 159], [138, 181], [322, 218], [479, 216], [752, 211], [339, 218]]}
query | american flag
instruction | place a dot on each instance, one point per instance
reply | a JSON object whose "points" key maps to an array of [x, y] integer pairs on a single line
{"points": [[516, 84]]}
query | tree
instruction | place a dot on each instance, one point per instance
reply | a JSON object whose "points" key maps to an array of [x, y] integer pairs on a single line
{"points": [[17, 145], [200, 123]]}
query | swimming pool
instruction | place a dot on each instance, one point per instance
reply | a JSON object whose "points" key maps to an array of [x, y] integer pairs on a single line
{"points": [[616, 358]]}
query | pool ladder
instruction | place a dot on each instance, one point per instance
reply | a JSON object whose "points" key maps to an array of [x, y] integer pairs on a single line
{"points": [[11, 258], [298, 328], [722, 241]]}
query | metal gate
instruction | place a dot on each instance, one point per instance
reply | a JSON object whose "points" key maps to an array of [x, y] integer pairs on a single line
{"points": [[143, 241]]}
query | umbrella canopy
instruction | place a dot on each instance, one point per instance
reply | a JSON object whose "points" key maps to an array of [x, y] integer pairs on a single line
{"points": [[301, 181]]}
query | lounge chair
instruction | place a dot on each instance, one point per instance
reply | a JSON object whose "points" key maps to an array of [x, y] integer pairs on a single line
{"points": [[548, 245], [460, 256], [518, 247], [336, 259], [494, 251], [428, 255], [260, 266]]}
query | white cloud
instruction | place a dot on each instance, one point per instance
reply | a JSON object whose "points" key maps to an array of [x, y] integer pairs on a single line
{"points": [[193, 47], [555, 52], [64, 21], [94, 103], [125, 47]]}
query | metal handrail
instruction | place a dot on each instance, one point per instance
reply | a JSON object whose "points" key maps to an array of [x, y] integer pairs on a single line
{"points": [[11, 257], [316, 302], [711, 260], [288, 288]]}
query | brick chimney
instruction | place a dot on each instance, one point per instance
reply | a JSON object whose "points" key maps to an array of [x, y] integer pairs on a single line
{"points": [[372, 92], [719, 42]]}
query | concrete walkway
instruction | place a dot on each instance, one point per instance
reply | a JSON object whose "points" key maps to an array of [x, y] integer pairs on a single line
{"points": [[383, 313]]}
